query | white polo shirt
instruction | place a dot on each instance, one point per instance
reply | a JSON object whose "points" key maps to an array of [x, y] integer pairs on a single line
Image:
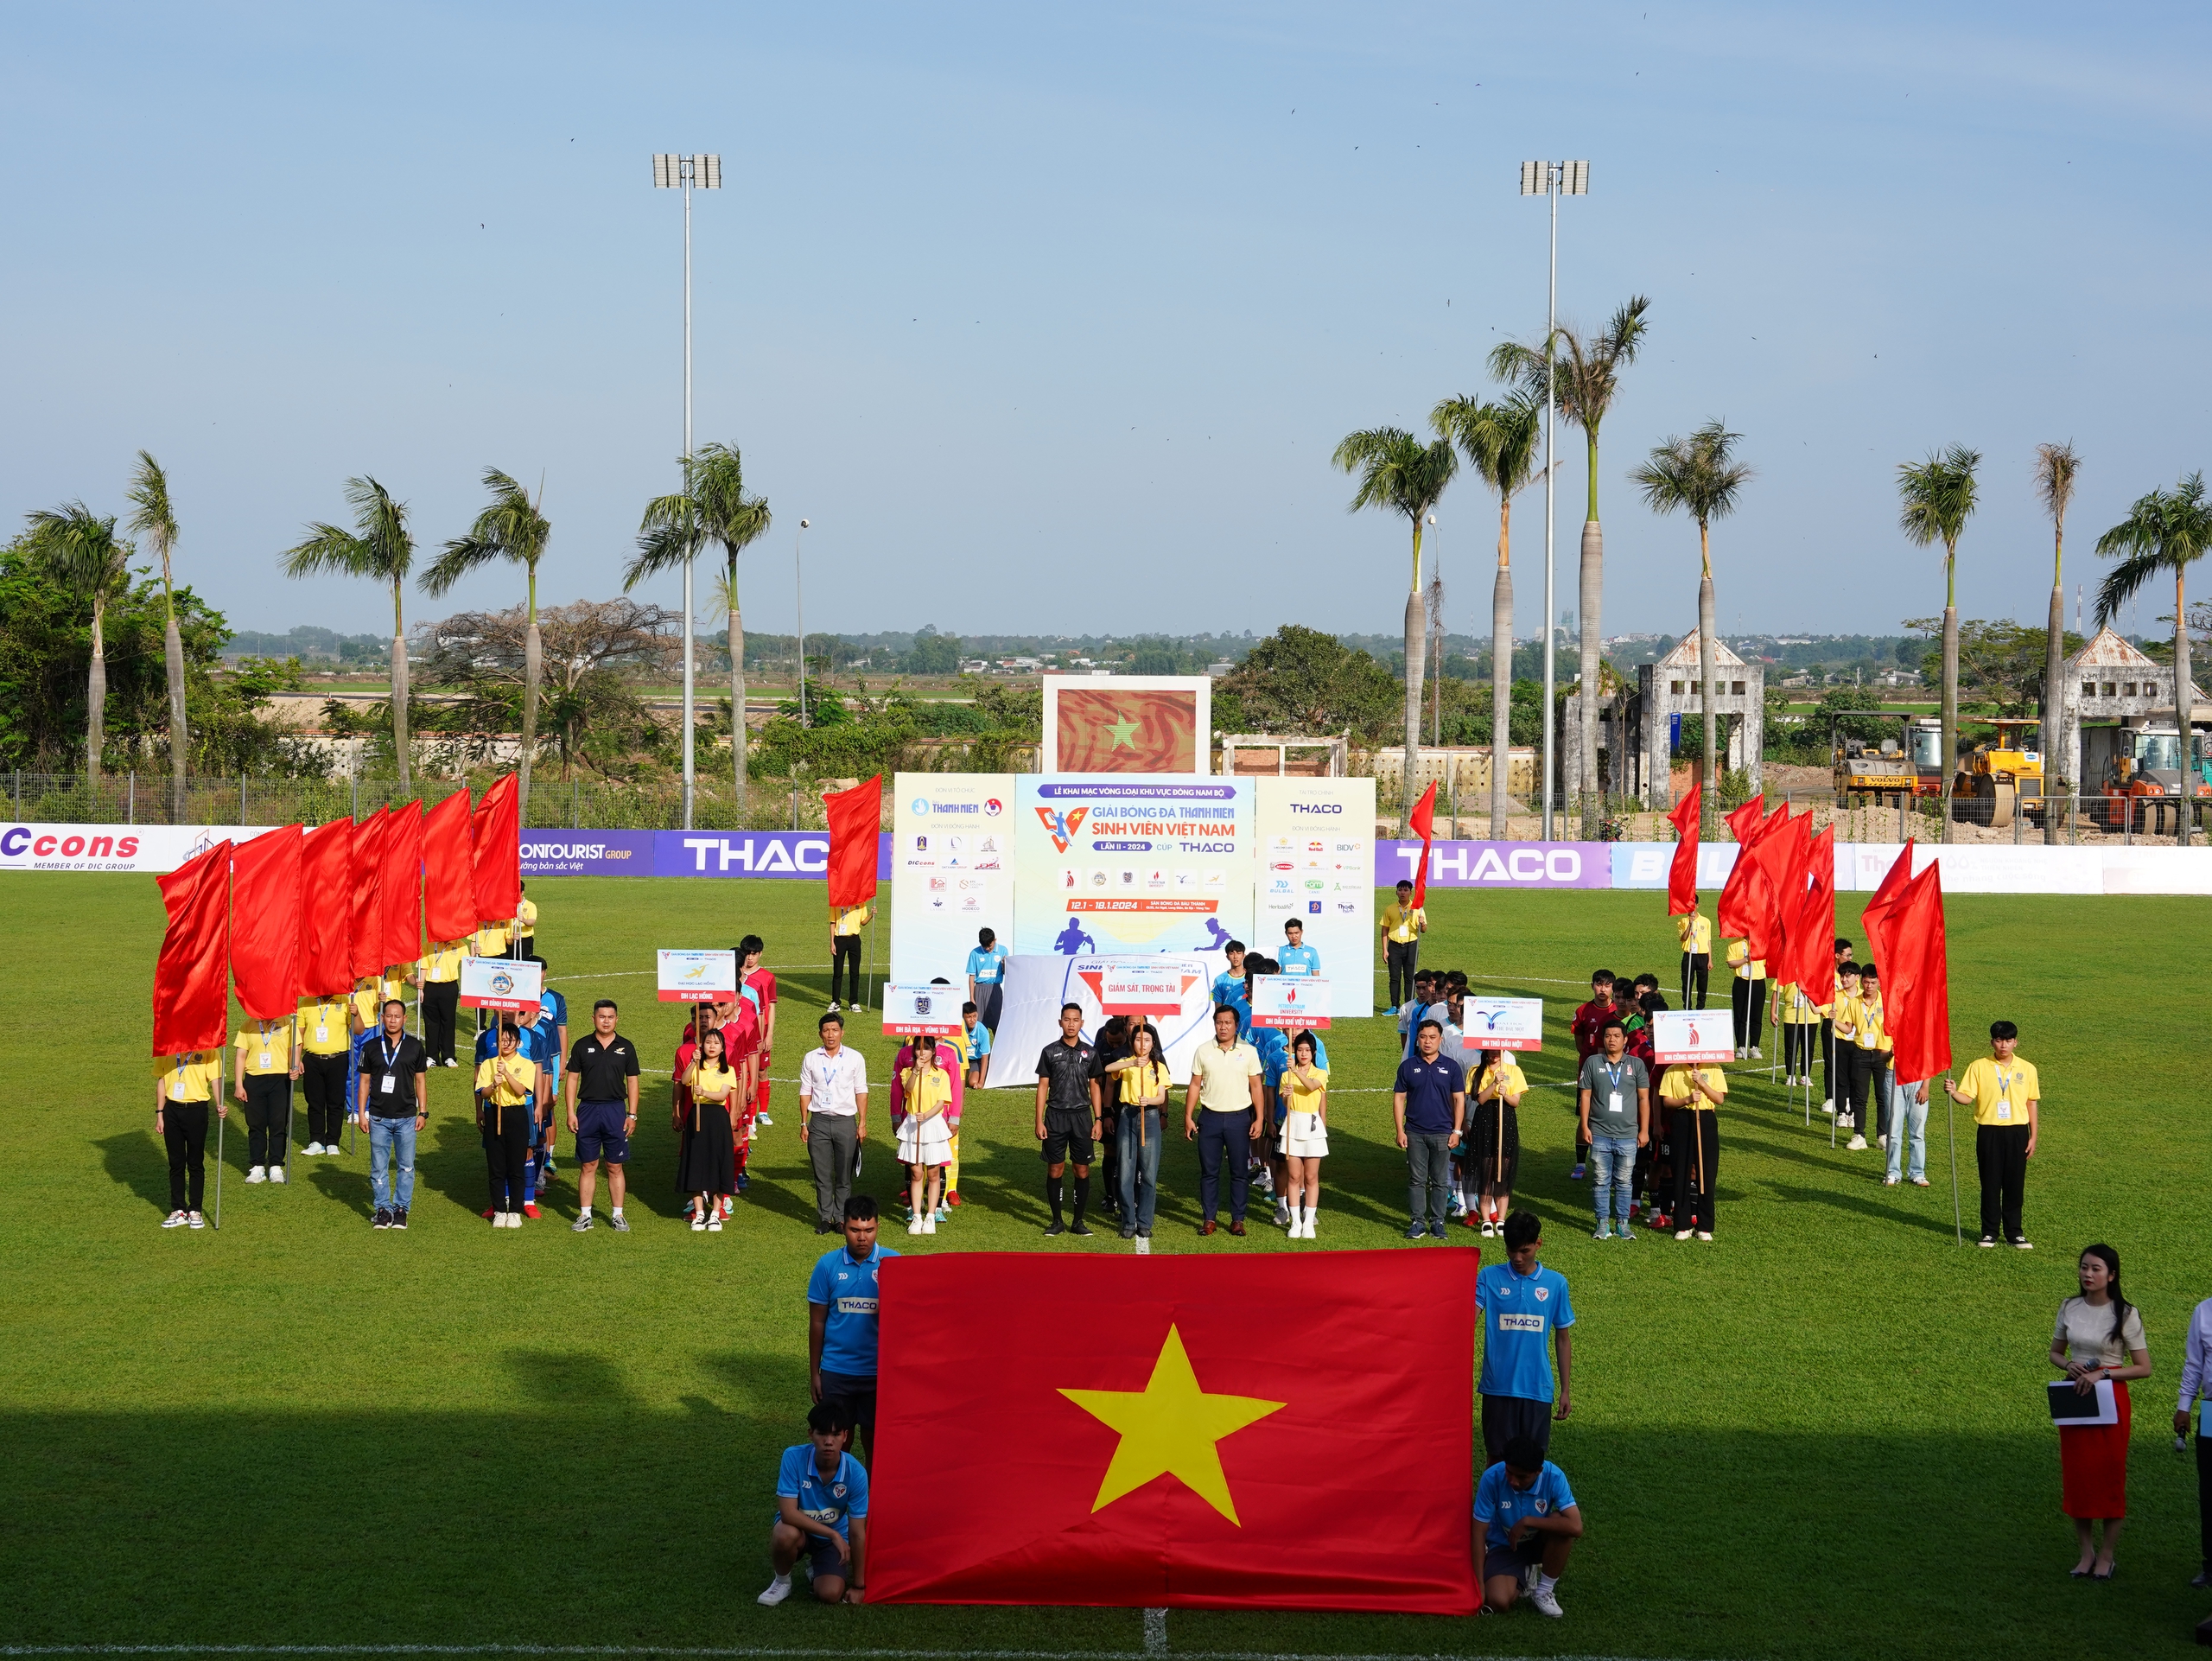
{"points": [[833, 1084]]}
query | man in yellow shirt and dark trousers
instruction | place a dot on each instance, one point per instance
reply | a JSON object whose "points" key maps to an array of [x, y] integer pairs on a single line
{"points": [[325, 1043], [1402, 924], [2003, 1093], [1695, 933], [438, 973], [261, 1075], [845, 923]]}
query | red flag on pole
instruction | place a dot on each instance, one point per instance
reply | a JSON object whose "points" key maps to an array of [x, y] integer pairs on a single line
{"points": [[327, 910], [449, 871], [1423, 820], [1812, 934], [1215, 1433], [1780, 856], [1681, 872], [367, 949], [1730, 918], [1876, 917], [265, 924], [1916, 983], [192, 988], [855, 816], [400, 901], [497, 873]]}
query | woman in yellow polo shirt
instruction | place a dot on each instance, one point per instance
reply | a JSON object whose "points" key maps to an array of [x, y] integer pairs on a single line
{"points": [[925, 1134], [1695, 934], [322, 1029], [1495, 1086], [183, 1086], [706, 1094], [1747, 998], [1693, 1094], [506, 1105], [262, 1074]]}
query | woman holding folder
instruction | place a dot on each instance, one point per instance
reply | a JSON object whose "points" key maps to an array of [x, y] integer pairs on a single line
{"points": [[2099, 1337]]}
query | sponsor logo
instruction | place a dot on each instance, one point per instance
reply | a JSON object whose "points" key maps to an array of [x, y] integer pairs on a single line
{"points": [[1062, 826], [1284, 865], [921, 806], [993, 808], [1517, 1323], [1317, 807], [1346, 907], [1313, 908], [1315, 882]]}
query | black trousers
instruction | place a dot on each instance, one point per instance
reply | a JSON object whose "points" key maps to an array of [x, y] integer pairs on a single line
{"points": [[845, 962], [1747, 1003], [184, 1129], [441, 1000], [1109, 1165], [268, 1105], [506, 1153], [1223, 1138], [1697, 969], [2204, 1494], [1507, 1416], [1854, 1077], [526, 945], [1831, 1065], [1796, 1048], [1695, 1141], [2000, 1153], [323, 1079], [1403, 956]]}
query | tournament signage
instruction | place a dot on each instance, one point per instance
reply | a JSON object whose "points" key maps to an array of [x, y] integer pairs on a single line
{"points": [[1150, 989], [1503, 1023], [697, 977], [1291, 1003], [1315, 866], [1692, 1035], [952, 871], [500, 984], [1108, 866], [922, 1011]]}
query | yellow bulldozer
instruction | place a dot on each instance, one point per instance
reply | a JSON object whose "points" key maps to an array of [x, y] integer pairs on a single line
{"points": [[2001, 775]]}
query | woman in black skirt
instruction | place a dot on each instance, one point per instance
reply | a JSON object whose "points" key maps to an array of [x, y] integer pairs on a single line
{"points": [[1494, 1139], [709, 1151]]}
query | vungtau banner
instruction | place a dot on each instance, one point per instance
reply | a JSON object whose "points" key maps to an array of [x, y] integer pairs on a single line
{"points": [[913, 1011], [1131, 863]]}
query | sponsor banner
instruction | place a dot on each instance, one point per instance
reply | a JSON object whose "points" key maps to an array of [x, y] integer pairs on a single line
{"points": [[952, 871], [1316, 863], [1644, 865], [1291, 1003], [1500, 864], [799, 855], [1131, 865], [1692, 1035], [1037, 987], [587, 853], [918, 1011], [501, 984], [1501, 1024], [153, 848], [697, 977]]}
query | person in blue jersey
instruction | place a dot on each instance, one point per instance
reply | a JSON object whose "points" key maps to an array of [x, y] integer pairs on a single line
{"points": [[1426, 1003], [841, 1302], [1520, 1304], [1297, 958], [1229, 985], [821, 1511], [987, 976], [1527, 1523], [550, 1047]]}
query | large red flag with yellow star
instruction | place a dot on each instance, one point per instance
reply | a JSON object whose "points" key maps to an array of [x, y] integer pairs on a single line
{"points": [[1273, 1431], [1101, 728]]}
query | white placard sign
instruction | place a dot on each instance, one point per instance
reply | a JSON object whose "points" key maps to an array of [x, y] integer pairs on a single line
{"points": [[1289, 1002], [697, 977], [501, 984], [909, 1011], [1692, 1035], [1502, 1024]]}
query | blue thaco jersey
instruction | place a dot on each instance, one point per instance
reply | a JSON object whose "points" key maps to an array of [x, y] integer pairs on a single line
{"points": [[846, 1288], [1299, 960], [834, 1499], [1519, 1313], [1499, 1504], [987, 968], [1274, 1055], [552, 1015], [978, 1040]]}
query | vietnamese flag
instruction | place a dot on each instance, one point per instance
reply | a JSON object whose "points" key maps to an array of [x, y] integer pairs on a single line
{"points": [[1212, 1432], [1778, 851], [191, 982], [399, 904], [1423, 820], [1682, 870], [855, 817], [327, 910], [1876, 916], [497, 877], [265, 924], [367, 949], [1811, 965], [1916, 985], [1730, 920], [448, 870]]}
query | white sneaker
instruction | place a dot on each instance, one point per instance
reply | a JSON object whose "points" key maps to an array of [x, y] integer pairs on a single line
{"points": [[1310, 1222], [1855, 1144], [780, 1587], [763, 1121], [314, 1147], [913, 1226], [1706, 1236], [1545, 1601], [1488, 1230], [1755, 1056], [259, 1174], [1684, 1233], [277, 1174], [714, 1227], [1739, 1053], [175, 1220], [1829, 1107], [929, 1224]]}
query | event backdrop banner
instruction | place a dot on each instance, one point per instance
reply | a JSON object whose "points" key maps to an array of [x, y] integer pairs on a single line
{"points": [[1130, 864], [155, 848], [1317, 864], [1173, 991], [952, 871]]}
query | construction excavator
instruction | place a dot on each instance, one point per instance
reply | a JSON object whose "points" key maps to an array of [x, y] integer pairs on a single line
{"points": [[2000, 776]]}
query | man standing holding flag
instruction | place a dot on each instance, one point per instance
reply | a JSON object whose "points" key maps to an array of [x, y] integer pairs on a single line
{"points": [[856, 816]]}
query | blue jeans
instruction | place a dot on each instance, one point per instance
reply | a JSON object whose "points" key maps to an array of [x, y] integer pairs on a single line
{"points": [[1907, 1115], [1612, 1171], [386, 1135], [1140, 1166]]}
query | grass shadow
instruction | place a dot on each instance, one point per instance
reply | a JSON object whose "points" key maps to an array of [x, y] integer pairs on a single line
{"points": [[142, 1167]]}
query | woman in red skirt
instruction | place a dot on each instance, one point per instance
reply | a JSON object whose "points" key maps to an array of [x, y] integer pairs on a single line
{"points": [[2098, 1336]]}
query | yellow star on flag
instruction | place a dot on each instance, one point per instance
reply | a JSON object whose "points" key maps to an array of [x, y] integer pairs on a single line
{"points": [[1124, 731], [1169, 1427]]}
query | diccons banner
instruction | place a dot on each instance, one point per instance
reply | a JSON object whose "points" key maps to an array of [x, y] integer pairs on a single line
{"points": [[952, 871], [112, 847], [1125, 865]]}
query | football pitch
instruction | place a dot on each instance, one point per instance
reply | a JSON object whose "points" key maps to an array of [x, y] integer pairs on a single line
{"points": [[1822, 1434]]}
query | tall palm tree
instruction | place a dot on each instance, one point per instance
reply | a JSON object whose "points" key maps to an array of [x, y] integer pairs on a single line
{"points": [[152, 518], [511, 528], [78, 553], [1700, 475], [1585, 371], [1501, 442], [711, 507], [380, 547], [2055, 467], [1937, 499], [2164, 531], [1398, 472]]}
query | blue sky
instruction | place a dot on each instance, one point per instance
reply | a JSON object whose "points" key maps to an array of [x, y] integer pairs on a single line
{"points": [[1048, 318]]}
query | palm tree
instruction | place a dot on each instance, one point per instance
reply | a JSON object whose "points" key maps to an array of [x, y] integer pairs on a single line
{"points": [[711, 507], [511, 528], [78, 553], [1700, 475], [2164, 531], [1398, 472], [1501, 442], [379, 547], [154, 520], [2055, 467], [1938, 498], [1586, 374]]}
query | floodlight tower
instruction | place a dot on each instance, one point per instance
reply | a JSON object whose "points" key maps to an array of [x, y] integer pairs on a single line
{"points": [[1554, 180], [687, 174]]}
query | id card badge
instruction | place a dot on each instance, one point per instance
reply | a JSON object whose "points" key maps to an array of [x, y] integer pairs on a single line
{"points": [[322, 1034], [264, 1060], [1615, 1098], [390, 1085]]}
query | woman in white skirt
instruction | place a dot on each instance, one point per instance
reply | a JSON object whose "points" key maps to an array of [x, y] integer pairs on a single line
{"points": [[1304, 1092], [926, 1133]]}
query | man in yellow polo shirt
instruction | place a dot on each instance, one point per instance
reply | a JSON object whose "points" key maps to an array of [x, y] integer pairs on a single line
{"points": [[438, 974], [184, 1086], [845, 923], [2005, 1093], [1402, 924], [322, 1029], [492, 938], [262, 1074], [1695, 934], [525, 924]]}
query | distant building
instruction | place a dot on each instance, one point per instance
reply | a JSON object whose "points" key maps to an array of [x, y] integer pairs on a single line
{"points": [[1635, 729]]}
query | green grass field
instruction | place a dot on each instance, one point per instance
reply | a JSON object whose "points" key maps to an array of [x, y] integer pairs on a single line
{"points": [[1822, 1434]]}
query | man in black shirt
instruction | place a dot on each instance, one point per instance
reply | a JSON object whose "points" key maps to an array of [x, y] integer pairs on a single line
{"points": [[394, 1105], [1113, 1044], [603, 1111], [1067, 1115]]}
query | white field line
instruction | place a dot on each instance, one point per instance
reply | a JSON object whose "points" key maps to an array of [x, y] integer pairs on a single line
{"points": [[740, 1652]]}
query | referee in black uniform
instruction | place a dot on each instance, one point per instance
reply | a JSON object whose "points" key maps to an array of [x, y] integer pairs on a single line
{"points": [[602, 1112], [1067, 1115]]}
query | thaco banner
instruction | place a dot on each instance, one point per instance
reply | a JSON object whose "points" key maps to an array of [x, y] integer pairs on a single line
{"points": [[1290, 1002], [1131, 865], [1316, 866], [697, 977], [1500, 864], [1692, 1035], [500, 984], [915, 1011], [952, 871], [1503, 1023]]}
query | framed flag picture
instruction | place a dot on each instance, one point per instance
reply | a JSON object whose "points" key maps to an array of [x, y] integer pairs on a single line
{"points": [[1290, 1002]]}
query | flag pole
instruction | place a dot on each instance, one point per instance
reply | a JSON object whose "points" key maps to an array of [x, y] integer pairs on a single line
{"points": [[1951, 1129], [222, 1117]]}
